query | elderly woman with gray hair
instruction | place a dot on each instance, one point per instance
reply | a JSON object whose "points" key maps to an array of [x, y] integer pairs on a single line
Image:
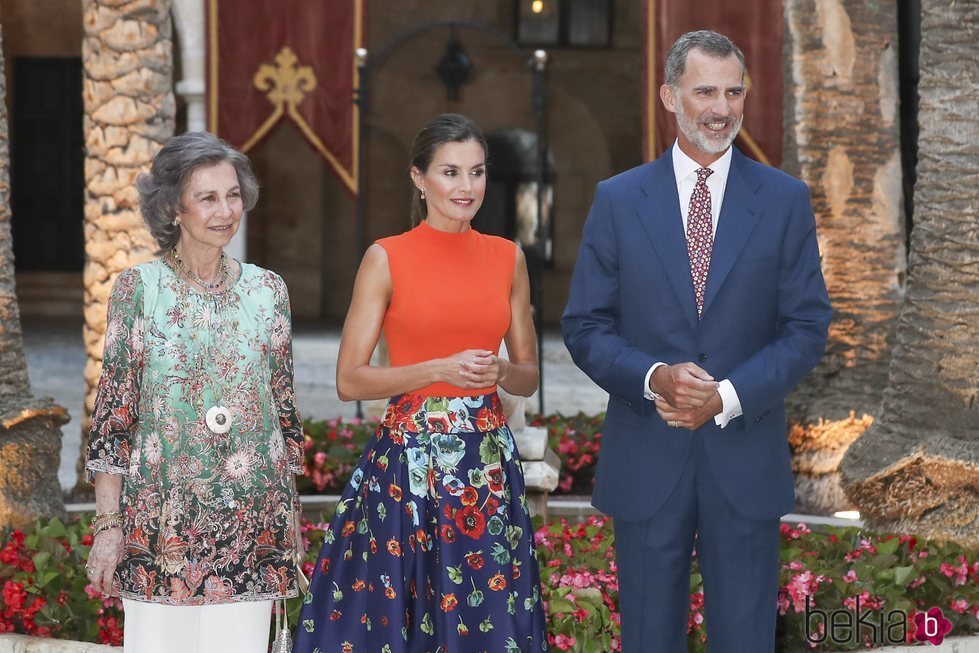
{"points": [[195, 434]]}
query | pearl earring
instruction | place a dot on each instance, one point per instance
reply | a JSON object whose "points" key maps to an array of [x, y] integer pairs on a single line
{"points": [[422, 194]]}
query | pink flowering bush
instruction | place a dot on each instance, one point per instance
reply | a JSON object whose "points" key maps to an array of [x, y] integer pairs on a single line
{"points": [[44, 591], [886, 576], [580, 586], [333, 448], [832, 568], [577, 441]]}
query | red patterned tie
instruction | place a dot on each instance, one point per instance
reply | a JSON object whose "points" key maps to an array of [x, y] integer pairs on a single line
{"points": [[700, 236]]}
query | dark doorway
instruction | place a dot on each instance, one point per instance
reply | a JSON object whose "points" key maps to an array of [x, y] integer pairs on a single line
{"points": [[510, 207], [47, 164]]}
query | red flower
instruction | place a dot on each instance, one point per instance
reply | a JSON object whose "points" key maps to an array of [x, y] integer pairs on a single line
{"points": [[492, 505], [438, 422], [494, 478], [110, 631], [486, 420], [497, 583], [14, 595], [449, 602], [394, 547], [358, 585], [475, 560], [471, 521], [469, 497], [395, 492], [448, 534], [348, 528]]}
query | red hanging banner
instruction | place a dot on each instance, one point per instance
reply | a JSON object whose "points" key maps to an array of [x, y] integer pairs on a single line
{"points": [[758, 32], [272, 60]]}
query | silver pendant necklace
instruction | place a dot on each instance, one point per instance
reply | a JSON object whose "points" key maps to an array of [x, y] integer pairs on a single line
{"points": [[217, 418]]}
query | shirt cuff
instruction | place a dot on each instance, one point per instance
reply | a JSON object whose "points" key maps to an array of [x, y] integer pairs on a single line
{"points": [[730, 403], [646, 392]]}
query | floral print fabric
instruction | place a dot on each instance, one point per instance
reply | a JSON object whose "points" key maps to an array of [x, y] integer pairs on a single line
{"points": [[207, 516], [431, 547]]}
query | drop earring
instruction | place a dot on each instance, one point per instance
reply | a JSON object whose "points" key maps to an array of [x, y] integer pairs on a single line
{"points": [[422, 194]]}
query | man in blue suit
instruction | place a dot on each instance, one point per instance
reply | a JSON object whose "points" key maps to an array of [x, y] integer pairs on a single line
{"points": [[698, 303]]}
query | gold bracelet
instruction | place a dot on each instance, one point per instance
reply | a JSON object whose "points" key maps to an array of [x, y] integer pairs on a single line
{"points": [[106, 520], [105, 526]]}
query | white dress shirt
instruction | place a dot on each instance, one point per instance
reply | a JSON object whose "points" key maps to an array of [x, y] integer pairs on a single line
{"points": [[685, 170]]}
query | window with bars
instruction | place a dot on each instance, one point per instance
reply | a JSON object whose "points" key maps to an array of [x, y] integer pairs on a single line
{"points": [[564, 23]]}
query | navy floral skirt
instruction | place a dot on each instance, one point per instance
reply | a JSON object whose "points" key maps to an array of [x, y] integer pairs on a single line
{"points": [[431, 549]]}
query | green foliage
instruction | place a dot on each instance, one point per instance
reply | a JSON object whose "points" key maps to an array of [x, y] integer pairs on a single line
{"points": [[45, 591]]}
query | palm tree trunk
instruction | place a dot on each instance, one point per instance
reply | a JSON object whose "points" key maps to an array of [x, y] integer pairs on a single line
{"points": [[843, 139], [129, 113], [30, 434], [916, 469]]}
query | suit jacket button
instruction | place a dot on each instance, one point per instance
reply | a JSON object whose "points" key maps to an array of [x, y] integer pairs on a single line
{"points": [[701, 357]]}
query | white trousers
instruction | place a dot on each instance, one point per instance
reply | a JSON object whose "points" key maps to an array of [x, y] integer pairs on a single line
{"points": [[226, 628]]}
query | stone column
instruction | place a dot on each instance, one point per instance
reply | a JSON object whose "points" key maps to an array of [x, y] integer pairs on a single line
{"points": [[127, 54]]}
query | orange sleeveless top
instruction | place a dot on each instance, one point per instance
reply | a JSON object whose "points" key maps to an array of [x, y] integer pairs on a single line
{"points": [[450, 292]]}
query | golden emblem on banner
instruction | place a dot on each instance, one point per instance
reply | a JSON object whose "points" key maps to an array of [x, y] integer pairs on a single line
{"points": [[308, 81], [285, 82]]}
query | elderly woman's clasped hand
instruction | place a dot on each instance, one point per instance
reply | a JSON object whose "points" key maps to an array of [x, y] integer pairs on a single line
{"points": [[106, 553]]}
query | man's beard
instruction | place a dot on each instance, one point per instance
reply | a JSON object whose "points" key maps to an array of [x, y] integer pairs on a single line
{"points": [[702, 141]]}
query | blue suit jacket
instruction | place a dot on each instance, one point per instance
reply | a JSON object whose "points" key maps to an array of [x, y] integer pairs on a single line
{"points": [[764, 325]]}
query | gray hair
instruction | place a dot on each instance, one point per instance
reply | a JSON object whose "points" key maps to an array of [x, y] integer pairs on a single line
{"points": [[161, 190], [711, 43]]}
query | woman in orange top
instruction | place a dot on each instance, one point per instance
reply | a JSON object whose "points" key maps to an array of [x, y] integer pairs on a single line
{"points": [[431, 548]]}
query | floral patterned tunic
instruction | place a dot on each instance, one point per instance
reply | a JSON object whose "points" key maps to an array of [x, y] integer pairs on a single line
{"points": [[207, 516]]}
